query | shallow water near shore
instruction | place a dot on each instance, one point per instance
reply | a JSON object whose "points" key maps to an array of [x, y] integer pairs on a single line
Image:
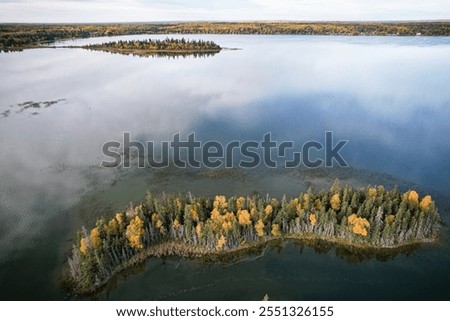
{"points": [[386, 95]]}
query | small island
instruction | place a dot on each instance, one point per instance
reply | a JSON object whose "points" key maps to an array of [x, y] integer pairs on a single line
{"points": [[168, 47], [201, 227]]}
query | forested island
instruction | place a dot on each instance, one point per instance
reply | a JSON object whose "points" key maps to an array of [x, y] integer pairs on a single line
{"points": [[167, 47], [188, 226], [25, 36]]}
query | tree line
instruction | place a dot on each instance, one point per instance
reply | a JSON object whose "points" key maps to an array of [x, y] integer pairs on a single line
{"points": [[370, 218], [19, 37], [168, 44]]}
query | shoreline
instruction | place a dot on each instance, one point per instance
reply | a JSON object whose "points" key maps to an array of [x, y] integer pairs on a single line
{"points": [[183, 250], [20, 36]]}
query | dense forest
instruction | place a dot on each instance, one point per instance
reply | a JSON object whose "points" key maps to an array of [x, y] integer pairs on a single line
{"points": [[197, 227], [19, 37], [166, 47], [160, 45]]}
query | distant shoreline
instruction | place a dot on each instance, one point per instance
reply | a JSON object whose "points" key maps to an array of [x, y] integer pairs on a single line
{"points": [[15, 37]]}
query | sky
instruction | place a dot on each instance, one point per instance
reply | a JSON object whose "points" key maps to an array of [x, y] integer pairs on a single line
{"points": [[223, 10]]}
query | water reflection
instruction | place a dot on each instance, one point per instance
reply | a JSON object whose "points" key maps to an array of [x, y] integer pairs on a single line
{"points": [[169, 55], [387, 96], [355, 255]]}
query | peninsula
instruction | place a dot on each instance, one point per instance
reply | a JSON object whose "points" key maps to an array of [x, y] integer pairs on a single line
{"points": [[188, 226]]}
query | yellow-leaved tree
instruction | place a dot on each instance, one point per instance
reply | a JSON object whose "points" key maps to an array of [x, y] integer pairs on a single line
{"points": [[158, 223], [413, 197], [259, 228], [244, 217], [96, 240], [112, 228], [268, 211], [276, 230], [318, 204], [198, 230], [221, 242], [306, 198], [298, 209], [176, 224], [216, 220], [372, 192], [134, 233], [84, 245], [335, 202], [220, 202], [92, 241], [313, 219], [359, 225], [240, 203], [425, 202], [119, 218], [252, 212], [194, 214]]}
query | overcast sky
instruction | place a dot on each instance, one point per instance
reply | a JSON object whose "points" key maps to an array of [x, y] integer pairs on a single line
{"points": [[170, 10]]}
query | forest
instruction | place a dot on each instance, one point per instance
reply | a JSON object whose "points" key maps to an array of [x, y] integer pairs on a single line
{"points": [[188, 226], [25, 36], [166, 47]]}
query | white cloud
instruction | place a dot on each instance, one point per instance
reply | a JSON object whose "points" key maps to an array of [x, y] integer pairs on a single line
{"points": [[159, 10]]}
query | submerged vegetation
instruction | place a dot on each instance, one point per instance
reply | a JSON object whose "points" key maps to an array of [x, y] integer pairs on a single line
{"points": [[166, 47], [371, 218], [19, 37], [33, 106]]}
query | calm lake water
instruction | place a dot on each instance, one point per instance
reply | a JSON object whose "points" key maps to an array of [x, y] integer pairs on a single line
{"points": [[388, 96]]}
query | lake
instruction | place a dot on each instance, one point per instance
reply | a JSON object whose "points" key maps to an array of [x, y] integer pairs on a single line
{"points": [[388, 96]]}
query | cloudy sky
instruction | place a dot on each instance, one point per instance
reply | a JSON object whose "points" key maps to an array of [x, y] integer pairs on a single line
{"points": [[170, 10]]}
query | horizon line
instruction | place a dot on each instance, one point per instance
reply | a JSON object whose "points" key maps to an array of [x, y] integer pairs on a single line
{"points": [[232, 21]]}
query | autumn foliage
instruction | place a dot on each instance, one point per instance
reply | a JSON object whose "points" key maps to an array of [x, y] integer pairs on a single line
{"points": [[369, 217], [359, 225], [244, 217], [259, 228], [20, 36], [425, 203], [413, 197], [335, 202], [135, 231], [276, 230], [313, 219], [221, 242]]}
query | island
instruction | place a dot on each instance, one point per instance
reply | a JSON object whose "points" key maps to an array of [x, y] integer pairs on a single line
{"points": [[202, 227], [168, 47]]}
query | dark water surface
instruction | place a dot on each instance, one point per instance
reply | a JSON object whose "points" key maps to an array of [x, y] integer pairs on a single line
{"points": [[388, 96]]}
